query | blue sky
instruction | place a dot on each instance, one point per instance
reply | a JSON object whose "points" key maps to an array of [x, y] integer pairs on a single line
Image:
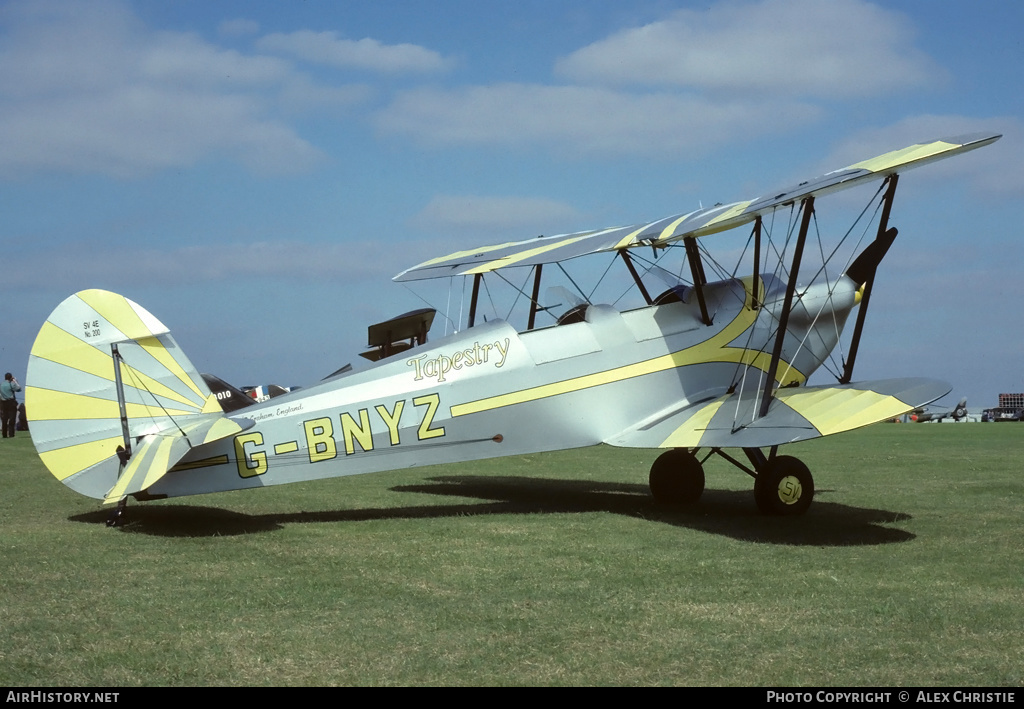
{"points": [[254, 173]]}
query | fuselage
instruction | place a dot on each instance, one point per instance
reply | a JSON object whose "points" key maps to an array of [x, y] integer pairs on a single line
{"points": [[490, 391]]}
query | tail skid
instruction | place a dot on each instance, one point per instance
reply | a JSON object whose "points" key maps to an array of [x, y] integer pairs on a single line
{"points": [[80, 414]]}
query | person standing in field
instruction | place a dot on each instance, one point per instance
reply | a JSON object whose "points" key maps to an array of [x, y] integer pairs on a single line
{"points": [[9, 388]]}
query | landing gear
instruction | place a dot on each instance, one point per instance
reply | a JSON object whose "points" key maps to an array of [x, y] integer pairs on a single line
{"points": [[116, 518], [677, 478], [784, 486]]}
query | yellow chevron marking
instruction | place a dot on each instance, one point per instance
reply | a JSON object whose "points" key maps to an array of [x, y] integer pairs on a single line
{"points": [[61, 347], [56, 345], [65, 462], [903, 156], [523, 255], [117, 492], [463, 254], [714, 349], [145, 383], [161, 463], [734, 211], [212, 406], [835, 410], [116, 310], [49, 405], [689, 434], [222, 428], [629, 238], [159, 352], [150, 462], [693, 355], [667, 231]]}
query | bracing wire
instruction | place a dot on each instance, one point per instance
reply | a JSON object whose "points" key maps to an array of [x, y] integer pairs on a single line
{"points": [[744, 367], [448, 305], [487, 289], [518, 289], [647, 265], [823, 269], [431, 305], [771, 245], [849, 231], [140, 385], [575, 285], [825, 362], [601, 279], [462, 305], [519, 292]]}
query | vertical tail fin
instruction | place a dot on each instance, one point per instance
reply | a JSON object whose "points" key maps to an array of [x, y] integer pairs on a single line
{"points": [[73, 404]]}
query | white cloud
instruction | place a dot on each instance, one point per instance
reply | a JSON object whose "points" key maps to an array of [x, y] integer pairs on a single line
{"points": [[483, 216], [682, 86], [100, 265], [238, 27], [84, 87], [128, 130], [584, 120], [369, 54], [840, 48], [301, 95], [187, 60]]}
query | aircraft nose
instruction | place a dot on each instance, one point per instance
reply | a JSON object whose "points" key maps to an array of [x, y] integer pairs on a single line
{"points": [[820, 299]]}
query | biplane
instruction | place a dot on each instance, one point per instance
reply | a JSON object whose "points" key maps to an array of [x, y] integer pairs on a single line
{"points": [[701, 367]]}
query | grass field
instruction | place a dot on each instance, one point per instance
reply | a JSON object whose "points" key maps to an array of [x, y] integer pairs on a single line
{"points": [[547, 569]]}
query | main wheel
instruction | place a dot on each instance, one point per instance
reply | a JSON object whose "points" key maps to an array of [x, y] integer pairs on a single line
{"points": [[784, 487], [677, 478]]}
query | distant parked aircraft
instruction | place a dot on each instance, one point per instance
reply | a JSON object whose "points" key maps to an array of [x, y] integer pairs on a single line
{"points": [[958, 413]]}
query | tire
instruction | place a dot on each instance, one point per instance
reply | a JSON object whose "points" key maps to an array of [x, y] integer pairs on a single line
{"points": [[784, 488], [677, 478]]}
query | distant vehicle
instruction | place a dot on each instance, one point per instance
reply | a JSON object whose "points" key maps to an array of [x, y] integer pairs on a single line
{"points": [[1002, 413]]}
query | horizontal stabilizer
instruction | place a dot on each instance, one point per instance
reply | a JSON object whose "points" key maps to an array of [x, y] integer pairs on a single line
{"points": [[795, 414], [158, 453]]}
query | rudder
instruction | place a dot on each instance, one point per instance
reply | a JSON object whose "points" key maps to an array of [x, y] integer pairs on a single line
{"points": [[72, 402]]}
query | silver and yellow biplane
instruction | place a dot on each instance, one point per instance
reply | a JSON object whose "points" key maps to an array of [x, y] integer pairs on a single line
{"points": [[117, 410]]}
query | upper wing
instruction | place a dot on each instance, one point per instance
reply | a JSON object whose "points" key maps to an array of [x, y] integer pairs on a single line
{"points": [[795, 414], [543, 249], [692, 224], [739, 213]]}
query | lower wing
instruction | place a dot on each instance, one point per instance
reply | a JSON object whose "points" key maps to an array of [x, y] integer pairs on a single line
{"points": [[795, 414]]}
